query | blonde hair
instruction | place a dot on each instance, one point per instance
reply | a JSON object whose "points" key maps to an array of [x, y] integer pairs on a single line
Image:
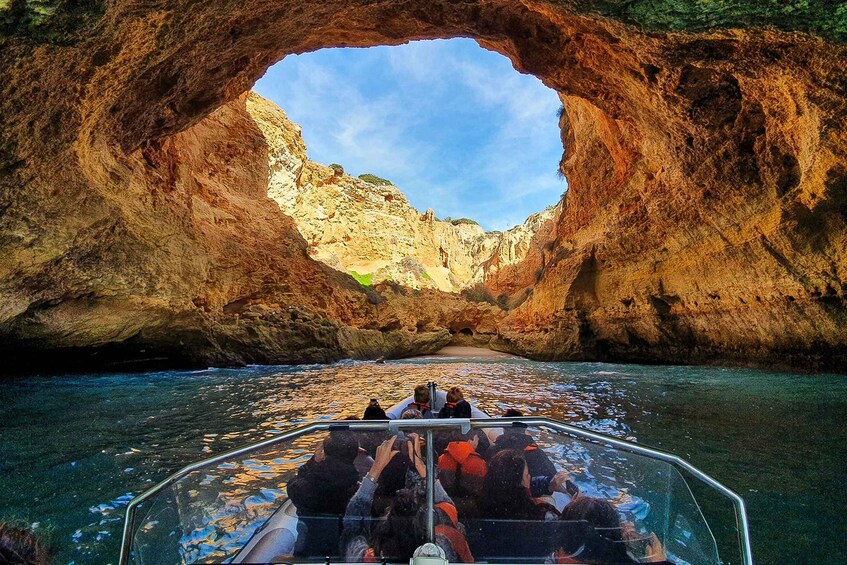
{"points": [[455, 395]]}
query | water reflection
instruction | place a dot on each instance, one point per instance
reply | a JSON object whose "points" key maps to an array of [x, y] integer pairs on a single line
{"points": [[74, 449]]}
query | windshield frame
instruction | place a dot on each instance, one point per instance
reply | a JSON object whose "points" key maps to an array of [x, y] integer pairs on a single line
{"points": [[465, 425]]}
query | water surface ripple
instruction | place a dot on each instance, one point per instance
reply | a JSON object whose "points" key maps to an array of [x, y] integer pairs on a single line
{"points": [[75, 449]]}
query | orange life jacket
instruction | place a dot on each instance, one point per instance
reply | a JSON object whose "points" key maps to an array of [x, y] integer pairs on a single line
{"points": [[462, 455], [560, 557], [450, 510], [457, 540], [420, 406]]}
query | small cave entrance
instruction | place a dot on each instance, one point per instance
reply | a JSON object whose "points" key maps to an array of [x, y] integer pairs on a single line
{"points": [[465, 335]]}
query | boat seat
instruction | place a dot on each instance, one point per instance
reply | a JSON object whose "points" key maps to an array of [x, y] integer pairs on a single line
{"points": [[276, 546]]}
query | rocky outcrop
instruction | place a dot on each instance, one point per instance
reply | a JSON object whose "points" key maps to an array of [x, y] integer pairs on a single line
{"points": [[181, 259], [369, 229], [705, 219], [519, 254]]}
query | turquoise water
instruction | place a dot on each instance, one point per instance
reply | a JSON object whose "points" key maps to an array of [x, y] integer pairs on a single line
{"points": [[75, 449]]}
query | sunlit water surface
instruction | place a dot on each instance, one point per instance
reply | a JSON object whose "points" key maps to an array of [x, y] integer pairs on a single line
{"points": [[75, 449]]}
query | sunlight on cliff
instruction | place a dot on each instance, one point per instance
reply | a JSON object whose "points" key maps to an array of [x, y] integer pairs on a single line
{"points": [[411, 134]]}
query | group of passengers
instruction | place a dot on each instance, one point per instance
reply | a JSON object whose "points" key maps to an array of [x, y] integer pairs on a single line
{"points": [[364, 495]]}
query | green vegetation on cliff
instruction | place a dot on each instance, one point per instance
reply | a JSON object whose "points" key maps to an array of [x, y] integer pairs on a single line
{"points": [[375, 180], [462, 221], [50, 21], [59, 20], [827, 18], [366, 280]]}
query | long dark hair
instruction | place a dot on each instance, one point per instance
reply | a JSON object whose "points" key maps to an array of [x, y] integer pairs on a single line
{"points": [[504, 495], [392, 480], [396, 538], [602, 541], [374, 412]]}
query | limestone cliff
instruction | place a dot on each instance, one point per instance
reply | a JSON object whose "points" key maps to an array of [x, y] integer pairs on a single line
{"points": [[181, 259], [706, 219], [518, 255], [370, 229]]}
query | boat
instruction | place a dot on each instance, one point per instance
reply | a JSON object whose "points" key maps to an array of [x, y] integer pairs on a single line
{"points": [[233, 507]]}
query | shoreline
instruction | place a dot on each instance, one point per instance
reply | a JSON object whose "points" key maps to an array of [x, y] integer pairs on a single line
{"points": [[467, 351]]}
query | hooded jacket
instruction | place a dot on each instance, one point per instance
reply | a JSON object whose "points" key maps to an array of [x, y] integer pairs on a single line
{"points": [[321, 492], [323, 488], [537, 462]]}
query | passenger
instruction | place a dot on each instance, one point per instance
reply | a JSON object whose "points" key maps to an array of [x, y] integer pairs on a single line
{"points": [[19, 546], [392, 478], [463, 410], [516, 438], [462, 471], [404, 527], [363, 460], [443, 438], [604, 540], [411, 414], [421, 402], [322, 488], [374, 411], [509, 493], [454, 395], [370, 440]]}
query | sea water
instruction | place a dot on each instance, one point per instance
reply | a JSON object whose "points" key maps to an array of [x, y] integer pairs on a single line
{"points": [[74, 449]]}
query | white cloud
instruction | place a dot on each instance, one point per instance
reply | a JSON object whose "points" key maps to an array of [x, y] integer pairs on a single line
{"points": [[454, 126]]}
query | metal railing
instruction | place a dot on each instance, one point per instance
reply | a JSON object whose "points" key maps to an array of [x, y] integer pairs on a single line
{"points": [[452, 423]]}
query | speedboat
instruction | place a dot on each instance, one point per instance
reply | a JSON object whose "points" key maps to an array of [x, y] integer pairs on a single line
{"points": [[233, 508]]}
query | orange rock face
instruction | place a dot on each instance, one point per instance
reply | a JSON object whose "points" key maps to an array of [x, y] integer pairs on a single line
{"points": [[706, 219]]}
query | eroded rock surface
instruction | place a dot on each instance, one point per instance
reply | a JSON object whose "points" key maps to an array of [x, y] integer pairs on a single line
{"points": [[369, 229], [184, 260], [706, 219]]}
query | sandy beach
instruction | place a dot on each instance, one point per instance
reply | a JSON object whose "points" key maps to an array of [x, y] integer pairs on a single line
{"points": [[466, 351]]}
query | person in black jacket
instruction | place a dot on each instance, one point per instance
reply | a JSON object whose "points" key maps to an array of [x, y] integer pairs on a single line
{"points": [[454, 395], [323, 487], [516, 438]]}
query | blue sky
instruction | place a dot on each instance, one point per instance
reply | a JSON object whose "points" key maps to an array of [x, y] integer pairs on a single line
{"points": [[452, 125]]}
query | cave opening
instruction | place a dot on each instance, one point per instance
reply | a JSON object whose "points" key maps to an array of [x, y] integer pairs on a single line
{"points": [[137, 211], [442, 159]]}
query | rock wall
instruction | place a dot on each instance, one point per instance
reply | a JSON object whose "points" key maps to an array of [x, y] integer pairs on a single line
{"points": [[706, 219], [720, 237], [183, 260], [519, 254], [370, 229]]}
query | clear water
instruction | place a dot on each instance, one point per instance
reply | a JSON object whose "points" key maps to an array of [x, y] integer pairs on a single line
{"points": [[75, 449]]}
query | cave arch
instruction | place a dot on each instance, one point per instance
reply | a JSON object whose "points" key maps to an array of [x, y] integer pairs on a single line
{"points": [[190, 74], [699, 163], [603, 71]]}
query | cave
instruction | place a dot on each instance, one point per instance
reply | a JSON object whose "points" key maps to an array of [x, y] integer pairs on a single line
{"points": [[699, 164]]}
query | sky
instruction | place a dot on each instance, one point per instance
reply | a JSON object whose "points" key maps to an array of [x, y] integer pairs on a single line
{"points": [[452, 125]]}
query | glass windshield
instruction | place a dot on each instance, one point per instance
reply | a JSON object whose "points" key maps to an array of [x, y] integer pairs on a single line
{"points": [[358, 492]]}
